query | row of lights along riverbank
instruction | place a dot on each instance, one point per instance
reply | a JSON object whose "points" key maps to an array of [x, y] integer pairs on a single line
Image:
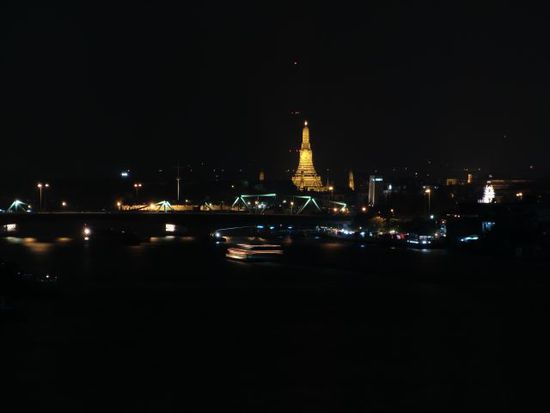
{"points": [[308, 184]]}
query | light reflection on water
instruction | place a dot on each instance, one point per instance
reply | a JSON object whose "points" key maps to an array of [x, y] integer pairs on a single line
{"points": [[14, 240], [40, 248], [169, 256], [432, 251], [29, 241], [169, 238], [76, 259], [334, 245], [32, 244]]}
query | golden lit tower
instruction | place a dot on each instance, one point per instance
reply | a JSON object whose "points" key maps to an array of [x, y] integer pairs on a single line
{"points": [[305, 177], [351, 181]]}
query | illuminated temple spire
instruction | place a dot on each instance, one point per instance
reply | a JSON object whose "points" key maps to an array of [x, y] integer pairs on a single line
{"points": [[306, 178], [351, 181]]}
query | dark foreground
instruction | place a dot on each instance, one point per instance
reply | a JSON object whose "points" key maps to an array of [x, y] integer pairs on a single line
{"points": [[172, 326]]}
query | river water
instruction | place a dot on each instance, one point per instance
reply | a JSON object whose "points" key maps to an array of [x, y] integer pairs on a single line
{"points": [[171, 324]]}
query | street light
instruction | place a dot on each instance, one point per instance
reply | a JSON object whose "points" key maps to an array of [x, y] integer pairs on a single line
{"points": [[137, 187], [428, 191], [40, 187]]}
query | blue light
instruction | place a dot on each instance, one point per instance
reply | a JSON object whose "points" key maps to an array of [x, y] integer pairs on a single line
{"points": [[469, 238], [260, 226]]}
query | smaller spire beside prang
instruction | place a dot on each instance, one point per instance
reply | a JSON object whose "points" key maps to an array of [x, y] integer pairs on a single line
{"points": [[351, 181]]}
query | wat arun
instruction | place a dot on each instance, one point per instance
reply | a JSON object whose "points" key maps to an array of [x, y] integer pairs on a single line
{"points": [[306, 178]]}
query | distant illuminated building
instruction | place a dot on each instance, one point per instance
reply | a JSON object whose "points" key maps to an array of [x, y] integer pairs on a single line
{"points": [[375, 189], [351, 181], [469, 179], [453, 181], [262, 176], [488, 194], [306, 178]]}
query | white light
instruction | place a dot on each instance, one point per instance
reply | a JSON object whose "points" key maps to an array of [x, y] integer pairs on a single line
{"points": [[170, 228], [87, 231], [488, 194]]}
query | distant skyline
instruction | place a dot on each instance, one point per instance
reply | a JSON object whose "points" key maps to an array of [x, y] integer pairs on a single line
{"points": [[91, 90]]}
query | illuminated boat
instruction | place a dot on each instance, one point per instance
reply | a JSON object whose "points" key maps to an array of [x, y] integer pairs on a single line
{"points": [[254, 252]]}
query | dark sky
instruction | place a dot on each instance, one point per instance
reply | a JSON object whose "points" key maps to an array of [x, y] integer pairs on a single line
{"points": [[93, 88]]}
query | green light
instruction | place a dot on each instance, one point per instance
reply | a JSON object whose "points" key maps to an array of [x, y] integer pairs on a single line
{"points": [[18, 206]]}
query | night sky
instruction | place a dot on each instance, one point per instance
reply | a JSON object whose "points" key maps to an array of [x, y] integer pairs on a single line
{"points": [[89, 90]]}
